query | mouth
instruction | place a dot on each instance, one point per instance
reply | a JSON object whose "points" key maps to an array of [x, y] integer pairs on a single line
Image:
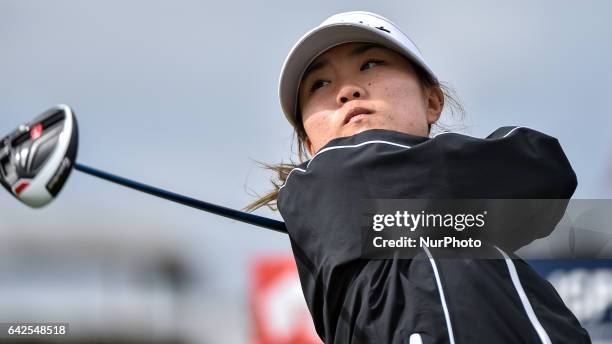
{"points": [[355, 114]]}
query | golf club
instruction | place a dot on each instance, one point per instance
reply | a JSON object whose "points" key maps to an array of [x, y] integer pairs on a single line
{"points": [[37, 158]]}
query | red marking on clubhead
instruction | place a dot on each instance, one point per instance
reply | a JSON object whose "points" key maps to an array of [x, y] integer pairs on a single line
{"points": [[36, 131], [20, 187]]}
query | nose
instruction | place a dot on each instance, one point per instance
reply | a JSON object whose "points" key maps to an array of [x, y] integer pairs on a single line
{"points": [[349, 92]]}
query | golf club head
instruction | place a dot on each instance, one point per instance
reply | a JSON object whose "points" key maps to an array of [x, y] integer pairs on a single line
{"points": [[36, 158]]}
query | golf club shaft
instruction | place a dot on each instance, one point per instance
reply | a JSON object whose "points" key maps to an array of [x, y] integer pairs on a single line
{"points": [[261, 221]]}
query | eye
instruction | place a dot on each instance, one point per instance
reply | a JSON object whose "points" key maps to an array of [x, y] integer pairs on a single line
{"points": [[316, 85], [370, 63]]}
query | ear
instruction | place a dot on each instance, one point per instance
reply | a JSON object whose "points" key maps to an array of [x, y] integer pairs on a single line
{"points": [[435, 104]]}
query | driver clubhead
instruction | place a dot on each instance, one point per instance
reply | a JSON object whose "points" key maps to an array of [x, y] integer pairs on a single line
{"points": [[37, 158]]}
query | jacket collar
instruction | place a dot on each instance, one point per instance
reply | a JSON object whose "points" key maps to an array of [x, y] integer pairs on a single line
{"points": [[377, 134], [392, 136]]}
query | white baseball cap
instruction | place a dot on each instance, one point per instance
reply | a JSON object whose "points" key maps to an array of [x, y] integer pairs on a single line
{"points": [[354, 26]]}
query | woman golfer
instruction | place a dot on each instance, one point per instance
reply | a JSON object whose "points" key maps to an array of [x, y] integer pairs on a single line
{"points": [[363, 100]]}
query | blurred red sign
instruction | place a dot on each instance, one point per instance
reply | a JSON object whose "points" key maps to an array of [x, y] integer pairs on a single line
{"points": [[278, 310]]}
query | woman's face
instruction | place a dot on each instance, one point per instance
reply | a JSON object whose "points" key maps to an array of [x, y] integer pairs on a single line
{"points": [[359, 86]]}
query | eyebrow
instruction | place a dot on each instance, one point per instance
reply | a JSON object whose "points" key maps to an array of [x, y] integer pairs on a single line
{"points": [[322, 63]]}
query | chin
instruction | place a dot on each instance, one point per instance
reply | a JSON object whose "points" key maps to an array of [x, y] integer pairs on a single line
{"points": [[367, 125], [358, 129]]}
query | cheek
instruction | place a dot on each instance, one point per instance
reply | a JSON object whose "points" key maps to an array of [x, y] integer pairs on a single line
{"points": [[320, 127], [398, 88], [404, 96], [402, 103]]}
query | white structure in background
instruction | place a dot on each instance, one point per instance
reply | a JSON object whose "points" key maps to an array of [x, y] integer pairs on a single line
{"points": [[106, 288], [588, 293]]}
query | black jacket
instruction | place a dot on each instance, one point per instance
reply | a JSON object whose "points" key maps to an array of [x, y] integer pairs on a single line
{"points": [[424, 299]]}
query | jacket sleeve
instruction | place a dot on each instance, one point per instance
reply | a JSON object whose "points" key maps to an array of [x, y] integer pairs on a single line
{"points": [[515, 163], [512, 162]]}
